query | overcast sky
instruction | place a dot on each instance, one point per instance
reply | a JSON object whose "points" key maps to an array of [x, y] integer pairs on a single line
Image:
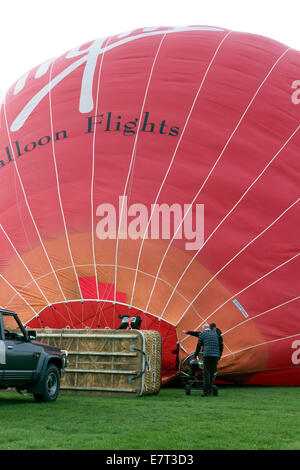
{"points": [[33, 31]]}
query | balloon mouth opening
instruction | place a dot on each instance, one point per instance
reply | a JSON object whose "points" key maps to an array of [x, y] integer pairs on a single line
{"points": [[105, 314]]}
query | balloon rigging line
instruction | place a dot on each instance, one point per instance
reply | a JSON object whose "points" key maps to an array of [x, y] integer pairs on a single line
{"points": [[213, 167], [263, 170], [260, 314], [18, 293], [21, 216], [227, 215], [37, 261], [132, 160], [25, 266], [88, 300], [247, 287], [237, 254], [261, 344], [252, 371], [109, 265], [54, 158], [95, 316], [102, 314], [251, 318], [93, 170], [105, 294], [173, 157], [58, 183], [26, 200], [57, 312], [72, 313]]}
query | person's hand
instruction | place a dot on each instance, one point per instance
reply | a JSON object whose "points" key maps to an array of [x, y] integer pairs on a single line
{"points": [[184, 331]]}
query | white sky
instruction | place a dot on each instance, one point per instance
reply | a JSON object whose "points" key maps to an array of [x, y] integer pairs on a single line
{"points": [[33, 31]]}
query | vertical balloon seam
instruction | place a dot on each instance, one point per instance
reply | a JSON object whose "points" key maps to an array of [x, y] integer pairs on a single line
{"points": [[212, 169], [57, 180], [133, 157], [26, 200], [93, 170], [237, 254], [247, 287], [24, 264], [3, 97], [260, 314], [18, 293], [37, 261], [174, 155], [262, 344], [242, 197], [223, 150], [108, 289]]}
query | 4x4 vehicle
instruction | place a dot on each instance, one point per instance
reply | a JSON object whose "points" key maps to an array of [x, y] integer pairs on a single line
{"points": [[26, 364]]}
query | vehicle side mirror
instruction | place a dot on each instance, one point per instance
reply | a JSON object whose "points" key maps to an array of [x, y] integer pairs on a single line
{"points": [[31, 334]]}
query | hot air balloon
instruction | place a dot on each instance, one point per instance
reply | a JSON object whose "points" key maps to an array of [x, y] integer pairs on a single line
{"points": [[156, 173]]}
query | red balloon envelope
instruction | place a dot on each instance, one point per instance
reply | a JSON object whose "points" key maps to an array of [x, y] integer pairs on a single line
{"points": [[157, 173]]}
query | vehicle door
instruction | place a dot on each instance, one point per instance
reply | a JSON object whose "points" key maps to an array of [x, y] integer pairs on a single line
{"points": [[2, 351], [20, 360]]}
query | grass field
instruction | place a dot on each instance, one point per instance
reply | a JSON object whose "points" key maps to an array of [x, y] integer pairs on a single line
{"points": [[239, 418]]}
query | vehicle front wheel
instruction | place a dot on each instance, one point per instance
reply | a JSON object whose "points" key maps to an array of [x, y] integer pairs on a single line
{"points": [[51, 385]]}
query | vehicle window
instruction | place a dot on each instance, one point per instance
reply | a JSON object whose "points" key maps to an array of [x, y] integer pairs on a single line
{"points": [[11, 328]]}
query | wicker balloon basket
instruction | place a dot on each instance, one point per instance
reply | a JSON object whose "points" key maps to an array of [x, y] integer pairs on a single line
{"points": [[108, 362]]}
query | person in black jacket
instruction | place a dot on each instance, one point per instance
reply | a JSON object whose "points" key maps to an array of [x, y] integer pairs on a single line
{"points": [[213, 327], [208, 340], [212, 344]]}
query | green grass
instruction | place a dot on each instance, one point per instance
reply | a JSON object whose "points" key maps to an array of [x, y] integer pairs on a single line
{"points": [[239, 418]]}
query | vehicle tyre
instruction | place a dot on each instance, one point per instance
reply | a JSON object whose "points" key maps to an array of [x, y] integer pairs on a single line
{"points": [[51, 385]]}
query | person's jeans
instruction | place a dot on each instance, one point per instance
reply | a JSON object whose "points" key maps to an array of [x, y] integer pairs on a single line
{"points": [[210, 364]]}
